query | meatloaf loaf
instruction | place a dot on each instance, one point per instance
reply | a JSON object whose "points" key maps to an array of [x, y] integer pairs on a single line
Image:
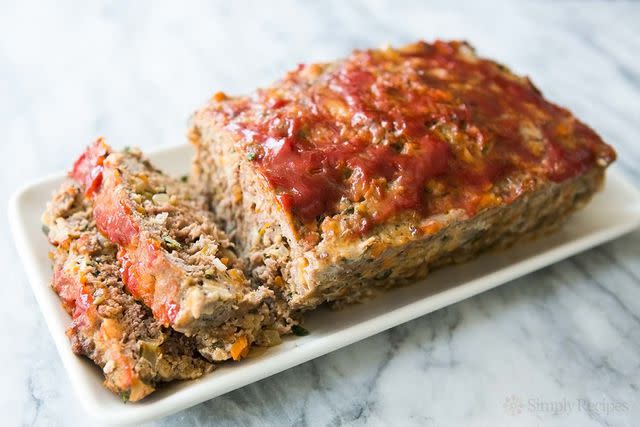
{"points": [[109, 327], [367, 172], [174, 259]]}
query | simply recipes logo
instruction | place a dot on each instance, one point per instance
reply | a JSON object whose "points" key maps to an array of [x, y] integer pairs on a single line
{"points": [[516, 405]]}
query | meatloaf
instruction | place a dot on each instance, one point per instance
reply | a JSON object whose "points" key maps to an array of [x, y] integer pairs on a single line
{"points": [[174, 259], [119, 334], [367, 172]]}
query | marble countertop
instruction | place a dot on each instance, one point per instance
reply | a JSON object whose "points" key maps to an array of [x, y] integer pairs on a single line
{"points": [[557, 347]]}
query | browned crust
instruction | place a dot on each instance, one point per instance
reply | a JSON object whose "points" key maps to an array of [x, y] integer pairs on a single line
{"points": [[387, 261]]}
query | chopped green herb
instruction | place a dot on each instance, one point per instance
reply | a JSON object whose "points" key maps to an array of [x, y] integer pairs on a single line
{"points": [[184, 178], [45, 229], [126, 149], [124, 396], [251, 155], [299, 331], [171, 243]]}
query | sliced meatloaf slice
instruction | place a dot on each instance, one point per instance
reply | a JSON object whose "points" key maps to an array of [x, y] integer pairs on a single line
{"points": [[368, 171], [174, 258], [119, 334]]}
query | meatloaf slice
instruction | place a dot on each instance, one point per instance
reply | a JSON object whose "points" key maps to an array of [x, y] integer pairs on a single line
{"points": [[109, 327], [174, 259], [368, 171]]}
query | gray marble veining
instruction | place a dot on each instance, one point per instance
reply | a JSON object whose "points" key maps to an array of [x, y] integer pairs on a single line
{"points": [[558, 347]]}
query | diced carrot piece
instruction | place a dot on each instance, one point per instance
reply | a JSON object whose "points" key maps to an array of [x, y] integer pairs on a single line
{"points": [[240, 348]]}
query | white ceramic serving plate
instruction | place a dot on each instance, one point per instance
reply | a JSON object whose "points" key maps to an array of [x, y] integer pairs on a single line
{"points": [[612, 213]]}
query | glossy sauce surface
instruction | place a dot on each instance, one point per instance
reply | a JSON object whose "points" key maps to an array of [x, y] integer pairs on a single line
{"points": [[425, 128], [114, 219]]}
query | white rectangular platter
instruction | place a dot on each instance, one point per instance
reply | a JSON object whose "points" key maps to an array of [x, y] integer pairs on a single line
{"points": [[612, 213]]}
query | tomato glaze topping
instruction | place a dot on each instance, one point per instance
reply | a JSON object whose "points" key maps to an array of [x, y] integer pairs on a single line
{"points": [[425, 128]]}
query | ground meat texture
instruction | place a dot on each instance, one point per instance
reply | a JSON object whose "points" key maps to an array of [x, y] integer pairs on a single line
{"points": [[366, 172], [174, 258], [120, 335]]}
